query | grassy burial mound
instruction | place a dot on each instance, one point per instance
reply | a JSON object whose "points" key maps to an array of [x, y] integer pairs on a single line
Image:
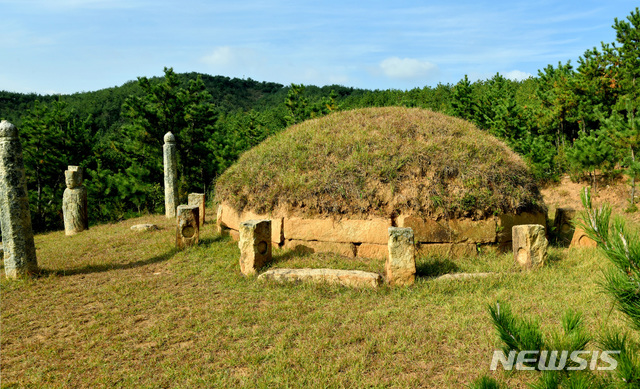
{"points": [[398, 166]]}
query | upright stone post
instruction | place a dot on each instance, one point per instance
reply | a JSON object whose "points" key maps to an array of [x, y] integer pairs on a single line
{"points": [[529, 245], [400, 267], [188, 230], [198, 199], [255, 245], [15, 217], [74, 202], [170, 175], [564, 225]]}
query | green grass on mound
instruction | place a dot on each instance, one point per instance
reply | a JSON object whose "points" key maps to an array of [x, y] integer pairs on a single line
{"points": [[381, 161], [121, 309]]}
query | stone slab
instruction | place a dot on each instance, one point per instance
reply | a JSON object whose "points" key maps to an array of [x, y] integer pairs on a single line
{"points": [[506, 222], [230, 218], [373, 251], [450, 231], [447, 249], [144, 227], [345, 230], [462, 276], [350, 278], [311, 246]]}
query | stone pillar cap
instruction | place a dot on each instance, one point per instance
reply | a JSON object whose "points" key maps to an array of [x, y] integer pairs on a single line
{"points": [[8, 130], [169, 138]]}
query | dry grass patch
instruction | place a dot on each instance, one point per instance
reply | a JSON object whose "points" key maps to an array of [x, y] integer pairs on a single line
{"points": [[122, 309]]}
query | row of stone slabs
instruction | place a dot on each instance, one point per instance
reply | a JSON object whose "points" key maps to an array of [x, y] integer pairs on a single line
{"points": [[529, 247]]}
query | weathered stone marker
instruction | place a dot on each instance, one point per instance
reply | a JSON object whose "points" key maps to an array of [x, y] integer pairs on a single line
{"points": [[198, 199], [188, 229], [170, 175], [74, 202], [581, 239], [400, 267], [529, 245], [15, 218], [563, 224], [255, 245]]}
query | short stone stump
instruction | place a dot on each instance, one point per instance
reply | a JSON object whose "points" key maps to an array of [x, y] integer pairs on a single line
{"points": [[529, 245], [349, 278]]}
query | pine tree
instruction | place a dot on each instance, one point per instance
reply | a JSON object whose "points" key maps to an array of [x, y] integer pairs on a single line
{"points": [[591, 152], [625, 62]]}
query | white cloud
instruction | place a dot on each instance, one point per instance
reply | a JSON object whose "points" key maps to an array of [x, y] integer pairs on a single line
{"points": [[225, 57], [407, 68], [517, 75], [272, 66]]}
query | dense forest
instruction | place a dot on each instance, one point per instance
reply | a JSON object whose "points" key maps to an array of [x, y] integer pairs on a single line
{"points": [[581, 120]]}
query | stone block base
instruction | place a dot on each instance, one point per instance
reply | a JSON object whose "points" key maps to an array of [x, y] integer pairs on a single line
{"points": [[350, 278]]}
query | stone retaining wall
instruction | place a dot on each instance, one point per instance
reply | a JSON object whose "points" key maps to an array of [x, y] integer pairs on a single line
{"points": [[368, 238]]}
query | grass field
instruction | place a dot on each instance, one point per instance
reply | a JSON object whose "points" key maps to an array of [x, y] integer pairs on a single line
{"points": [[115, 308]]}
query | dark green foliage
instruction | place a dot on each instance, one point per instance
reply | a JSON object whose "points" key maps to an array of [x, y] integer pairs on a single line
{"points": [[485, 383], [52, 138], [515, 333], [592, 152], [622, 248]]}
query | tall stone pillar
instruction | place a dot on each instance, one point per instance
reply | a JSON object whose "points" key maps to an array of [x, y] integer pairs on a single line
{"points": [[198, 199], [15, 218], [170, 175], [74, 202], [400, 267]]}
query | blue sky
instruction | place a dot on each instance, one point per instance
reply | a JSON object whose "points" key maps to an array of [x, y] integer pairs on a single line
{"points": [[67, 46]]}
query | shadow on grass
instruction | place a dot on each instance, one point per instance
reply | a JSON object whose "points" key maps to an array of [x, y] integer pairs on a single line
{"points": [[287, 255], [89, 269], [554, 256], [435, 266], [209, 241]]}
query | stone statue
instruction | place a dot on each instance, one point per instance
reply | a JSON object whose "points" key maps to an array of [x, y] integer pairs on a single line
{"points": [[74, 202]]}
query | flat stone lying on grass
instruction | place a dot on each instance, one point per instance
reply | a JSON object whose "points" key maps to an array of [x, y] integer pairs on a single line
{"points": [[351, 278], [462, 276], [144, 227]]}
